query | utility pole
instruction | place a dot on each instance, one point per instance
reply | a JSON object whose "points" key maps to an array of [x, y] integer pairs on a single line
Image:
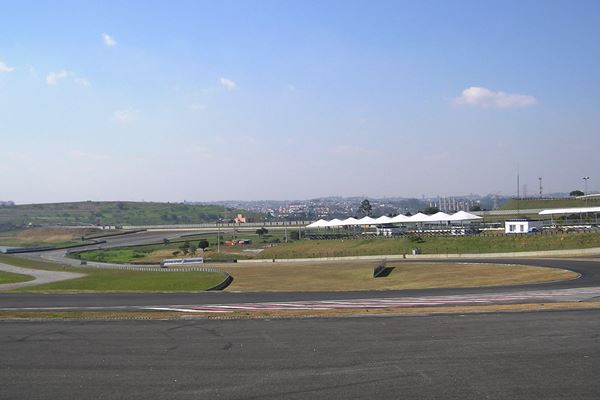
{"points": [[540, 179], [585, 182]]}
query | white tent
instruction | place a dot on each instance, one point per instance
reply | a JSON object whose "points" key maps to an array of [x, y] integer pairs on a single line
{"points": [[366, 221], [384, 219], [574, 210], [463, 216], [333, 222], [439, 217], [317, 224], [418, 217], [349, 221], [399, 218]]}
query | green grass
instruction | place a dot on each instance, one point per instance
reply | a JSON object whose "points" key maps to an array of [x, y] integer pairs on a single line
{"points": [[142, 254], [9, 277], [432, 245], [349, 247], [115, 213], [108, 280], [135, 281]]}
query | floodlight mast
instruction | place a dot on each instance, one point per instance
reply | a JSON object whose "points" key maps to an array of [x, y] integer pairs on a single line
{"points": [[585, 182]]}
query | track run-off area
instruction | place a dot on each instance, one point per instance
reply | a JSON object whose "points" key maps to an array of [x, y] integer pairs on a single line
{"points": [[585, 288]]}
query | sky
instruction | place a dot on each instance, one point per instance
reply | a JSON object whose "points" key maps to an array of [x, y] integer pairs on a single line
{"points": [[248, 100]]}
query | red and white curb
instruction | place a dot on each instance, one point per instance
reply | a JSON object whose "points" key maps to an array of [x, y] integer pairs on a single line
{"points": [[578, 294]]}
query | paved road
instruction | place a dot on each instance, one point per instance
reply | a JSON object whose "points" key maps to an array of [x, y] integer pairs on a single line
{"points": [[589, 270], [543, 355], [40, 276]]}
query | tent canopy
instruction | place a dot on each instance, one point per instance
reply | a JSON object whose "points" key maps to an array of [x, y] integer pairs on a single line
{"points": [[349, 221], [384, 219], [366, 221], [574, 210], [398, 218], [463, 216], [437, 217]]}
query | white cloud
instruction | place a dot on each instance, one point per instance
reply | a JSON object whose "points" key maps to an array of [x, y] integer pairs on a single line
{"points": [[126, 116], [108, 40], [81, 81], [53, 78], [228, 84], [32, 71], [5, 68], [482, 97]]}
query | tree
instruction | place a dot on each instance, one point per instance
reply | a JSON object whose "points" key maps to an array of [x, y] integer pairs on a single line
{"points": [[193, 249], [476, 207], [185, 247], [365, 207], [576, 193], [203, 244], [262, 231]]}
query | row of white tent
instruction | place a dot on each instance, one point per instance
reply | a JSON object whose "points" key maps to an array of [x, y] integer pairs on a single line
{"points": [[438, 218]]}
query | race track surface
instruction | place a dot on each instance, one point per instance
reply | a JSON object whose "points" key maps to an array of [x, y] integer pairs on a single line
{"points": [[588, 269], [542, 355]]}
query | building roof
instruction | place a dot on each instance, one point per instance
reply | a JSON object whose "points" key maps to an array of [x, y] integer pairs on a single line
{"points": [[572, 210]]}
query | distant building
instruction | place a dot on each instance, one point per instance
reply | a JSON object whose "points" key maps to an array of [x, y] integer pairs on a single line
{"points": [[522, 226]]}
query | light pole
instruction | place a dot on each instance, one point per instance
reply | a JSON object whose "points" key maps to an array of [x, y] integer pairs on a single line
{"points": [[218, 237], [585, 182]]}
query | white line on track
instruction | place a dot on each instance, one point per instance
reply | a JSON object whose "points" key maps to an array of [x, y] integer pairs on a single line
{"points": [[576, 294]]}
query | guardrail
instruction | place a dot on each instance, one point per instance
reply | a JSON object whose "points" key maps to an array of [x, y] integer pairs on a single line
{"points": [[295, 224], [19, 250]]}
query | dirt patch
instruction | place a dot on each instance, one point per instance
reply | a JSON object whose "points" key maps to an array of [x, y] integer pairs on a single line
{"points": [[52, 235], [404, 275], [158, 315]]}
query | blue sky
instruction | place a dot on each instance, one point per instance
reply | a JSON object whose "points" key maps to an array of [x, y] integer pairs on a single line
{"points": [[189, 100]]}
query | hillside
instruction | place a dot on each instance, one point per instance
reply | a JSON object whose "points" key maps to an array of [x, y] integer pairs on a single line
{"points": [[114, 213], [525, 204]]}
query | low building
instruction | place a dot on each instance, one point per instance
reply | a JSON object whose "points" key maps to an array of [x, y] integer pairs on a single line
{"points": [[522, 226]]}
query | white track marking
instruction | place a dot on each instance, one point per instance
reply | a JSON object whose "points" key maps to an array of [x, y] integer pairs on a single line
{"points": [[576, 294]]}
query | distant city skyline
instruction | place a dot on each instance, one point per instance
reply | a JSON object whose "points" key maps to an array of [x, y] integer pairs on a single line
{"points": [[251, 100]]}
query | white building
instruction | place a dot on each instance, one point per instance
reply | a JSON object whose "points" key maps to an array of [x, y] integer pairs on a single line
{"points": [[522, 226]]}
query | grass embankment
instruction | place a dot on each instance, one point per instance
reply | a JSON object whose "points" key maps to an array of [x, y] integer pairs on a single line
{"points": [[134, 281], [432, 245], [42, 237], [109, 280], [9, 277], [115, 213], [154, 253], [404, 275]]}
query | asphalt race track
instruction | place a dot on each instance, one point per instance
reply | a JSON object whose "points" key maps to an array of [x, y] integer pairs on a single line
{"points": [[588, 268], [528, 355], [541, 355]]}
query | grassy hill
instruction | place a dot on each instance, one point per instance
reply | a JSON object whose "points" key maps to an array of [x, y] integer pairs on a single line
{"points": [[114, 213], [525, 204]]}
